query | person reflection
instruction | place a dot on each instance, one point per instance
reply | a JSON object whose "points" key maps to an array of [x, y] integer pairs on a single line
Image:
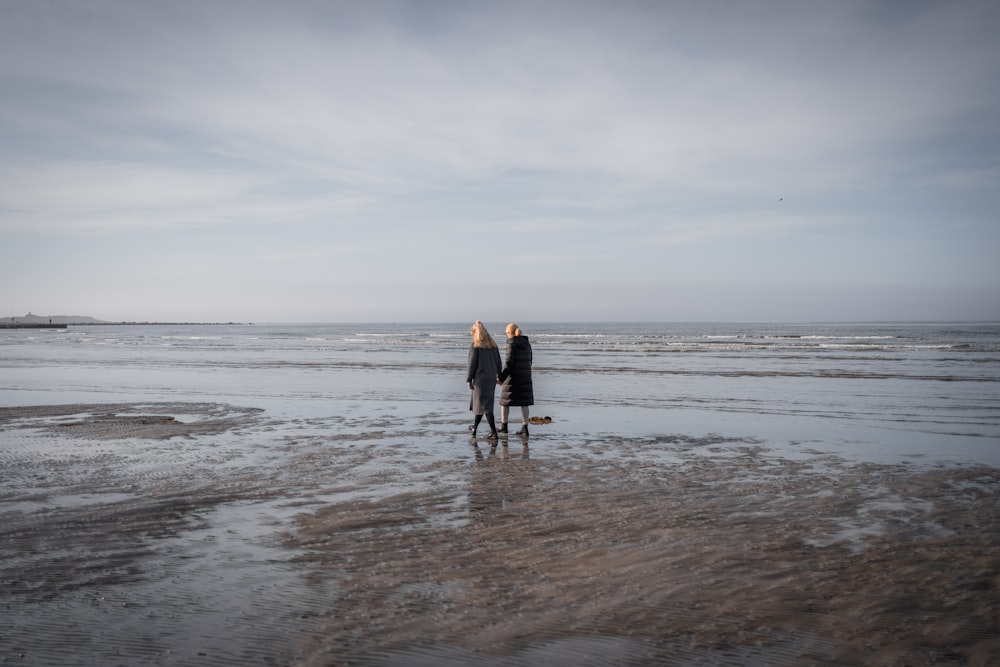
{"points": [[522, 455], [499, 477], [479, 453]]}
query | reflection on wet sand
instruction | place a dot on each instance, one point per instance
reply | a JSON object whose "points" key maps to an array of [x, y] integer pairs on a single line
{"points": [[497, 476], [504, 451]]}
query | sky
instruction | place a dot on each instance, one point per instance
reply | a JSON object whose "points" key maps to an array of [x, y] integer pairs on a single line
{"points": [[439, 160]]}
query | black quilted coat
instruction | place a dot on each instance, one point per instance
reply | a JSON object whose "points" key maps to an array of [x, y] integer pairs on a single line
{"points": [[516, 373]]}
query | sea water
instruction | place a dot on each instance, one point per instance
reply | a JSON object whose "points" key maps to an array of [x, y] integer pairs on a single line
{"points": [[865, 391]]}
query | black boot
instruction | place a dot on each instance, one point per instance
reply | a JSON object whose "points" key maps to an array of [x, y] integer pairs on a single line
{"points": [[475, 425], [524, 430], [503, 427]]}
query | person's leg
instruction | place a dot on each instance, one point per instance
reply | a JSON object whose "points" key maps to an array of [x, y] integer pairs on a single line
{"points": [[524, 420], [504, 412], [493, 425], [475, 424]]}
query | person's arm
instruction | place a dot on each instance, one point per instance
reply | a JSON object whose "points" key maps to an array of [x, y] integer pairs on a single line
{"points": [[470, 371], [505, 373]]}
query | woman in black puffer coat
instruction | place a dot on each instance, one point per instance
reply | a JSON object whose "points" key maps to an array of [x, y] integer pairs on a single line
{"points": [[516, 378]]}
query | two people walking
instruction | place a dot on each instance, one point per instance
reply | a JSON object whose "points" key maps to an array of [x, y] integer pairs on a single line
{"points": [[485, 371]]}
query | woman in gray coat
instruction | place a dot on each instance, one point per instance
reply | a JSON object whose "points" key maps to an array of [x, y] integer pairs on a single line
{"points": [[481, 374]]}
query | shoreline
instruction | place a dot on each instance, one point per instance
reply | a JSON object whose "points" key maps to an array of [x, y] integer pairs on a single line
{"points": [[219, 533]]}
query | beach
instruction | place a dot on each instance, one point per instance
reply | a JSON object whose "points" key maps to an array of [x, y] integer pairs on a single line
{"points": [[365, 528]]}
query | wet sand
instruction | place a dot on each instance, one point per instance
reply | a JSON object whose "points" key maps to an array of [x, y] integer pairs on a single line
{"points": [[191, 533]]}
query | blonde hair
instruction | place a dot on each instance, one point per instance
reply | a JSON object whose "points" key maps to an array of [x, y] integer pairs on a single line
{"points": [[513, 330], [480, 336]]}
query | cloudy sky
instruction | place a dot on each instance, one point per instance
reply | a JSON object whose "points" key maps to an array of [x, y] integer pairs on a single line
{"points": [[324, 160]]}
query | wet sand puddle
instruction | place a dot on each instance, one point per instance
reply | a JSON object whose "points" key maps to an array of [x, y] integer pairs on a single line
{"points": [[338, 541]]}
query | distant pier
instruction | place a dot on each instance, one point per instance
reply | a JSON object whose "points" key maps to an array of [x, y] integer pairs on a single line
{"points": [[27, 325]]}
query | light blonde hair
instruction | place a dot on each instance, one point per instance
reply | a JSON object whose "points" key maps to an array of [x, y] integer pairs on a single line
{"points": [[513, 330], [480, 336]]}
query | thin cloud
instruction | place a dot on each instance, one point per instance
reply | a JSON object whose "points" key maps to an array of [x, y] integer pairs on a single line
{"points": [[100, 196], [379, 106]]}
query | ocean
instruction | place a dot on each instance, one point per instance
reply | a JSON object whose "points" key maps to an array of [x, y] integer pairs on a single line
{"points": [[870, 391], [705, 494]]}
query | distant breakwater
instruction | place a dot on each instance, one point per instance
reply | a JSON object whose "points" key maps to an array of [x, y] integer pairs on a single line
{"points": [[63, 325]]}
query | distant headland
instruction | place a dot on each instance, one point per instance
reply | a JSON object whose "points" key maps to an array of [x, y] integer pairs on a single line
{"points": [[32, 321]]}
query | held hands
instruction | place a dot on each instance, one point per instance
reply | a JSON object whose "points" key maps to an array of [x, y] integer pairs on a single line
{"points": [[499, 381]]}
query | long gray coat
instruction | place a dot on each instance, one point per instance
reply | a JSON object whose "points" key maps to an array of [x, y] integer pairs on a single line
{"points": [[484, 366]]}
